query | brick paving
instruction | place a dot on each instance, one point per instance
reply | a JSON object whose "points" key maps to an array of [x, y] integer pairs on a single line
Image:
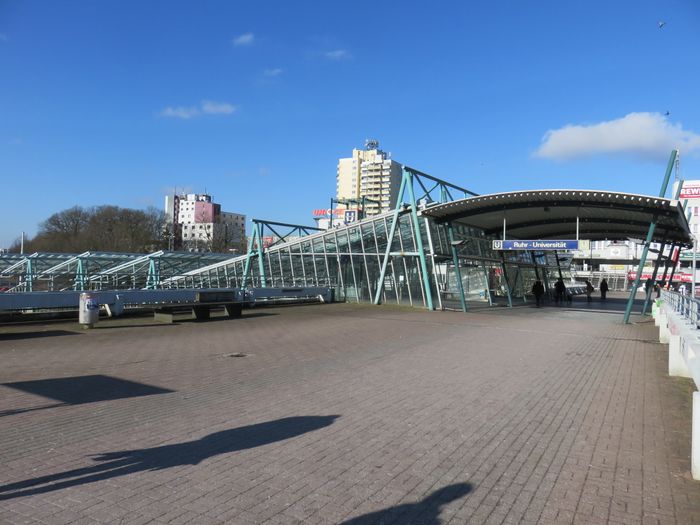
{"points": [[345, 414]]}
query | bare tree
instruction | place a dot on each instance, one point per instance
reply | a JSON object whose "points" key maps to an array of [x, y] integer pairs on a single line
{"points": [[102, 228]]}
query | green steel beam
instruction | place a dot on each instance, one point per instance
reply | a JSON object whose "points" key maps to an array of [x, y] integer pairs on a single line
{"points": [[534, 262], [79, 282], [390, 238], [261, 256], [419, 242], [455, 261], [249, 256], [650, 236], [29, 276], [515, 281], [153, 277], [409, 177], [505, 279], [668, 262], [653, 278], [259, 252], [556, 257], [440, 182]]}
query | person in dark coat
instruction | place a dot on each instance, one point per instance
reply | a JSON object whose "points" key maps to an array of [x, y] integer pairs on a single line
{"points": [[589, 290], [559, 291], [538, 291], [603, 289]]}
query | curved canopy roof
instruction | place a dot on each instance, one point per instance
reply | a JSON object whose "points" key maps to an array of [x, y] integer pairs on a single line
{"points": [[551, 214]]}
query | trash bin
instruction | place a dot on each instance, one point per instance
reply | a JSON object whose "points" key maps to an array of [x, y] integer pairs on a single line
{"points": [[89, 310]]}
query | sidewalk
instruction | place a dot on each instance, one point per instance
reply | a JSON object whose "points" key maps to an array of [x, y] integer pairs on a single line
{"points": [[345, 413]]}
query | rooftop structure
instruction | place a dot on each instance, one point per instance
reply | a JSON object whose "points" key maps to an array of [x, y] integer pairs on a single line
{"points": [[369, 173], [196, 223]]}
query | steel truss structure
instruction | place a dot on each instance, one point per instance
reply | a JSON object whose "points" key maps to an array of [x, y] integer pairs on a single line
{"points": [[398, 257], [97, 270], [434, 250]]}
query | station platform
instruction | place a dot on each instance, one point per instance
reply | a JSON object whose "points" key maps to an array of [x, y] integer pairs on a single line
{"points": [[342, 413]]}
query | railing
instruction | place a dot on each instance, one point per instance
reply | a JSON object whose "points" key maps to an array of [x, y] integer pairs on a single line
{"points": [[683, 305], [677, 319]]}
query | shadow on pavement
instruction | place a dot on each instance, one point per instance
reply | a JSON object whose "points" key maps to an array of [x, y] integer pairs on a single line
{"points": [[14, 411], [426, 512], [34, 335], [80, 390], [86, 389], [113, 464]]}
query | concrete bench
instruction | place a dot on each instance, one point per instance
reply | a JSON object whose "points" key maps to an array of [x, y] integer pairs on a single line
{"points": [[201, 308]]}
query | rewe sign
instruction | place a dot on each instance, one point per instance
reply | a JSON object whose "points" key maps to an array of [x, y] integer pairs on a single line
{"points": [[690, 190]]}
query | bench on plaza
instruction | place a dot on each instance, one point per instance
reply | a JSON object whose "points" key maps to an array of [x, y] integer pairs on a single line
{"points": [[200, 308]]}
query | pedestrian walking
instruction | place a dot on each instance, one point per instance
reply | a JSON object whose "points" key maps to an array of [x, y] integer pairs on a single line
{"points": [[538, 292], [589, 290], [559, 291], [603, 289]]}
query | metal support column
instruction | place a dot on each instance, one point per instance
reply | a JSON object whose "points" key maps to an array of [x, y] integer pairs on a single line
{"points": [[389, 241], [153, 277], [455, 261], [29, 276], [653, 278], [505, 279], [650, 236], [674, 265], [556, 257], [419, 243], [667, 263], [79, 282], [534, 261], [249, 256]]}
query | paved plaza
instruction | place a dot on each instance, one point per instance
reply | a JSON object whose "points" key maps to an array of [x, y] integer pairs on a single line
{"points": [[342, 413]]}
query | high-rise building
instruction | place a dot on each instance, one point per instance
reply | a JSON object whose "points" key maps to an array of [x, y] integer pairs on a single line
{"points": [[369, 173], [195, 223]]}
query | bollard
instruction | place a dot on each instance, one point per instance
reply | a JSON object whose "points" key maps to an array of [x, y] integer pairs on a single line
{"points": [[89, 311], [695, 438]]}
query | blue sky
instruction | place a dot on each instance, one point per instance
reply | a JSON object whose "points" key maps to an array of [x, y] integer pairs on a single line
{"points": [[118, 102]]}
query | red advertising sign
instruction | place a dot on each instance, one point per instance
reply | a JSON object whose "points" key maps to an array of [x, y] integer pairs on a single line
{"points": [[682, 277], [690, 190], [338, 212]]}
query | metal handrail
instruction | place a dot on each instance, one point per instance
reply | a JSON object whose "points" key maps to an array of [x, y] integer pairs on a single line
{"points": [[683, 305]]}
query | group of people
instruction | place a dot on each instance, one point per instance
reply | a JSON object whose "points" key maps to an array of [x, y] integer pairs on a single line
{"points": [[560, 291]]}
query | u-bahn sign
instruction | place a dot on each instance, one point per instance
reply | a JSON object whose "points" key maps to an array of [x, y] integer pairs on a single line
{"points": [[539, 245]]}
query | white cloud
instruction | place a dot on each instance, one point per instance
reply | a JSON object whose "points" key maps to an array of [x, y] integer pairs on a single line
{"points": [[338, 54], [207, 107], [245, 39], [642, 135], [180, 112], [217, 108], [273, 72]]}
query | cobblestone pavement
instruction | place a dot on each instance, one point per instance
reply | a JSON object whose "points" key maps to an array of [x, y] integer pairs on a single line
{"points": [[345, 414]]}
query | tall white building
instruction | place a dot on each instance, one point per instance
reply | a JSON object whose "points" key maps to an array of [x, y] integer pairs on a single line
{"points": [[195, 223], [369, 173]]}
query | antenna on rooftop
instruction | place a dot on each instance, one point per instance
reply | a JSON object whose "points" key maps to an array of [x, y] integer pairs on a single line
{"points": [[371, 144]]}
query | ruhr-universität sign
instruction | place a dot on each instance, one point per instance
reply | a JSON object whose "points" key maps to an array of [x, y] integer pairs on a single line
{"points": [[541, 245]]}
